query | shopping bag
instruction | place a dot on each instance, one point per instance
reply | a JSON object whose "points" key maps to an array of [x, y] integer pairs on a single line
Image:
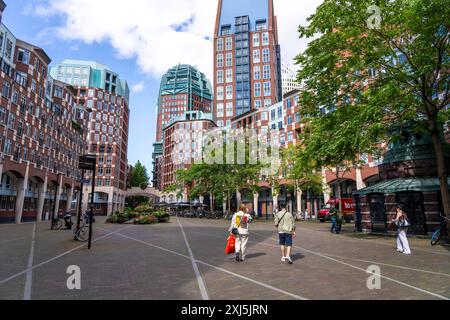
{"points": [[231, 243]]}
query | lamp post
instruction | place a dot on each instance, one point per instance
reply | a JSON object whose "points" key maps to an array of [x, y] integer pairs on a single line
{"points": [[55, 199]]}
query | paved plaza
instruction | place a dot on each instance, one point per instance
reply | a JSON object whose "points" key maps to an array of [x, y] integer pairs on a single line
{"points": [[185, 260]]}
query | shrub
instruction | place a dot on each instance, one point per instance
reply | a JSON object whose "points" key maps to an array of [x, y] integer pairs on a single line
{"points": [[142, 208], [146, 219], [162, 215]]}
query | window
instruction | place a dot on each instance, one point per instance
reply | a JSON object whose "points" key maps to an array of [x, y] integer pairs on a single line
{"points": [[220, 60], [256, 39], [220, 110], [219, 93], [229, 43], [85, 71], [265, 38], [21, 78], [257, 89], [84, 82], [2, 115], [229, 59], [266, 55], [266, 72], [229, 75], [58, 92], [23, 56], [257, 104], [257, 72], [229, 92], [290, 136], [256, 56], [219, 76], [220, 44], [9, 49], [5, 89], [267, 89], [229, 109], [267, 103]]}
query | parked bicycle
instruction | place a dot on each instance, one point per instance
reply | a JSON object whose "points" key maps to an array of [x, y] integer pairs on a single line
{"points": [[440, 231], [58, 222], [82, 234]]}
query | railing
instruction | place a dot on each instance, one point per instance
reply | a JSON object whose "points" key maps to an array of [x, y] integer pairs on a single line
{"points": [[12, 192]]}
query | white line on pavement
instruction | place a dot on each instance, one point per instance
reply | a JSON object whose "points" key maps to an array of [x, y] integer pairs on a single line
{"points": [[214, 267], [56, 257], [201, 284], [29, 278], [365, 271]]}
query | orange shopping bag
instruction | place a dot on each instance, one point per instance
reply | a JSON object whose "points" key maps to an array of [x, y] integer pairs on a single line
{"points": [[231, 242]]}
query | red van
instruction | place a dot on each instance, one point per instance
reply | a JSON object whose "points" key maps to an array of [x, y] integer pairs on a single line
{"points": [[348, 207]]}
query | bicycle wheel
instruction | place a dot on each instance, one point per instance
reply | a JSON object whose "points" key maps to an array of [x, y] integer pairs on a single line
{"points": [[436, 237], [83, 233]]}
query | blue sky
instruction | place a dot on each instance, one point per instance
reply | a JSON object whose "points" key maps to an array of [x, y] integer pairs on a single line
{"points": [[141, 41]]}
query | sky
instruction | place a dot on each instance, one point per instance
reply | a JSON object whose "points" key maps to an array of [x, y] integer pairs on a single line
{"points": [[140, 40]]}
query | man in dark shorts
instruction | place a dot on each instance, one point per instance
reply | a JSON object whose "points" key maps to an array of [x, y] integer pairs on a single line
{"points": [[285, 222]]}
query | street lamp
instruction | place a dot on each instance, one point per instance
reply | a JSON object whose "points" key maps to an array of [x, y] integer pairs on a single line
{"points": [[55, 199]]}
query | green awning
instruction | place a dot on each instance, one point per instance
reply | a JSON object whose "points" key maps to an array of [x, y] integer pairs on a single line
{"points": [[403, 185]]}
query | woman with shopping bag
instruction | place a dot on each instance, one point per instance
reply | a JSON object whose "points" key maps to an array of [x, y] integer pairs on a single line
{"points": [[402, 223], [239, 229]]}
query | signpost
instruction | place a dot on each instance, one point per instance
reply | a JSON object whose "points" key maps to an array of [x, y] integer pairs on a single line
{"points": [[80, 203], [89, 162]]}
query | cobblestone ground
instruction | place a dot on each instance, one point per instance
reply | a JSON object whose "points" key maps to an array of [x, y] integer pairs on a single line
{"points": [[185, 259]]}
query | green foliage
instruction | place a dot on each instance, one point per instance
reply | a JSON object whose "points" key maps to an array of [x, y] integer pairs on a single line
{"points": [[139, 176], [146, 218], [410, 54]]}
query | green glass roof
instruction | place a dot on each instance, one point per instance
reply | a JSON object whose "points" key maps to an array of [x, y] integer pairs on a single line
{"points": [[402, 185]]}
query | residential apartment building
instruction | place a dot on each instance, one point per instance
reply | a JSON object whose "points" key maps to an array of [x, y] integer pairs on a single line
{"points": [[41, 135], [183, 89], [100, 90], [183, 143], [289, 78], [247, 65]]}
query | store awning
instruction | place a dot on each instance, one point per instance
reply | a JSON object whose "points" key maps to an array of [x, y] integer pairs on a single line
{"points": [[403, 185]]}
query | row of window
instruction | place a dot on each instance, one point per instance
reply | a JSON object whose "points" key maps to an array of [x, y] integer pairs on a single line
{"points": [[258, 39]]}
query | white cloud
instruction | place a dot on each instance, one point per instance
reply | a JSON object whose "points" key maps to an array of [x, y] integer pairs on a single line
{"points": [[138, 87], [144, 29]]}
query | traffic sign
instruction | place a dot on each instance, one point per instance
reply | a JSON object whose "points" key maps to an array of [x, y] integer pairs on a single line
{"points": [[87, 162]]}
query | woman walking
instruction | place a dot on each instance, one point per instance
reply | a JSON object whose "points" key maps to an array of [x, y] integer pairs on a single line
{"points": [[239, 228], [402, 223]]}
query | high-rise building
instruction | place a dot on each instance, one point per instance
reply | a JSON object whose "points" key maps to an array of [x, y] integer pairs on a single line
{"points": [[247, 58], [183, 89], [101, 90], [41, 134], [289, 79]]}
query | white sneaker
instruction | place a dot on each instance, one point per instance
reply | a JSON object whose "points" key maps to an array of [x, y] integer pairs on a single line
{"points": [[288, 259], [407, 253], [398, 250], [283, 259]]}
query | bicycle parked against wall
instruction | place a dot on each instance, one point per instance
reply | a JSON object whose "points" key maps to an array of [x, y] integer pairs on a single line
{"points": [[440, 231]]}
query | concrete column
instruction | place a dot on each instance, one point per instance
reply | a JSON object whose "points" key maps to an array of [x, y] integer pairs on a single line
{"points": [[22, 185], [359, 181], [69, 197], [239, 198], [58, 195], [326, 189], [42, 190], [256, 203], [109, 211], [299, 201], [86, 199], [275, 200]]}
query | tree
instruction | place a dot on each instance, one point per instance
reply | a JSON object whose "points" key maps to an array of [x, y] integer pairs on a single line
{"points": [[139, 176], [301, 171], [380, 76]]}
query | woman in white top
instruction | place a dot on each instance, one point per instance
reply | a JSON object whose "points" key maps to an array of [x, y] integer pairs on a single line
{"points": [[402, 223]]}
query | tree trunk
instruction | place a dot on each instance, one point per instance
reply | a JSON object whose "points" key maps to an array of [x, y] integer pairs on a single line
{"points": [[442, 172], [211, 203], [229, 204], [338, 190]]}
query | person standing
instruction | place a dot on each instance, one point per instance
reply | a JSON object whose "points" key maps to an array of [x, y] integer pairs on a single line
{"points": [[285, 222], [334, 220], [402, 222], [239, 228]]}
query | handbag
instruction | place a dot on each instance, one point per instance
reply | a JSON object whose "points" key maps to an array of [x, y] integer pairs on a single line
{"points": [[231, 245]]}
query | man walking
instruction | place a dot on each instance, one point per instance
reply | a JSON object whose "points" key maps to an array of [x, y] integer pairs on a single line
{"points": [[285, 222]]}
